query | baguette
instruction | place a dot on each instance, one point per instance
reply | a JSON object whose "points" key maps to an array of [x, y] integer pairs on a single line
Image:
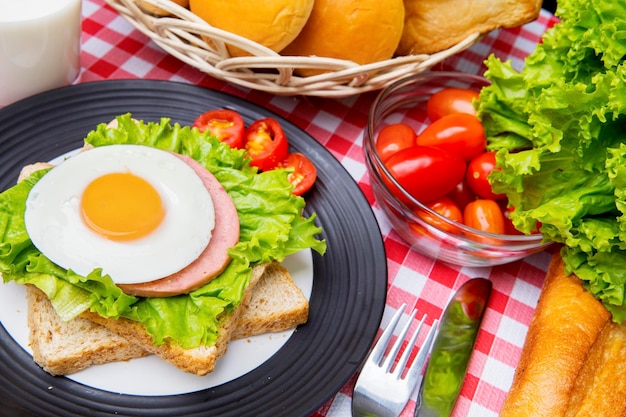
{"points": [[600, 388], [567, 322]]}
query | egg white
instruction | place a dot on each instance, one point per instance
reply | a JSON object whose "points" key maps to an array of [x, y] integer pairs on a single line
{"points": [[55, 227]]}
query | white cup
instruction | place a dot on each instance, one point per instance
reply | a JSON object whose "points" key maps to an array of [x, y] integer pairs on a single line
{"points": [[39, 46]]}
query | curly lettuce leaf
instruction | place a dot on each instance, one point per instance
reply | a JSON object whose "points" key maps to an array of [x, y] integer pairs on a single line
{"points": [[559, 128], [271, 221]]}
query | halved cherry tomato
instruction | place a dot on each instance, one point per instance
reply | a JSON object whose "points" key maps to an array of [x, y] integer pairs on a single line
{"points": [[265, 143], [450, 101], [425, 172], [226, 125], [484, 215], [456, 133], [304, 172], [394, 137], [462, 195], [478, 170]]}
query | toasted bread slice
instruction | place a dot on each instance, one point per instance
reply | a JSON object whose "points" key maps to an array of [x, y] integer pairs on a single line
{"points": [[62, 348], [65, 347], [276, 304]]}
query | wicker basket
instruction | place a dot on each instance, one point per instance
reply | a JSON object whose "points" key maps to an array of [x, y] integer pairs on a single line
{"points": [[184, 35]]}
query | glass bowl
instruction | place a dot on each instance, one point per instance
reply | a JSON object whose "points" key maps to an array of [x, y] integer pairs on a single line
{"points": [[425, 230]]}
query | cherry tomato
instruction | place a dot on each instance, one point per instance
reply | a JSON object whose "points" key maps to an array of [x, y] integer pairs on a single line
{"points": [[394, 137], [304, 172], [462, 194], [509, 229], [226, 125], [508, 224], [450, 101], [425, 172], [265, 143], [484, 215], [478, 170], [446, 208], [457, 133]]}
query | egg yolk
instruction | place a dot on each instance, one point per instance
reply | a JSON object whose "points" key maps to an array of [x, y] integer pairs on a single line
{"points": [[121, 206]]}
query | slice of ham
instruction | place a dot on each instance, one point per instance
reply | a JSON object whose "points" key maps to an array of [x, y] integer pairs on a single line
{"points": [[213, 260]]}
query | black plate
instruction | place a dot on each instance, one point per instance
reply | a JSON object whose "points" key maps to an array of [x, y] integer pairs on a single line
{"points": [[349, 288]]}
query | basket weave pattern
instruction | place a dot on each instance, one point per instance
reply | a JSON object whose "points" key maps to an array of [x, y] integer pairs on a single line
{"points": [[193, 41]]}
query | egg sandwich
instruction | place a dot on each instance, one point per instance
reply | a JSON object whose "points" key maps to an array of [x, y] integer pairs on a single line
{"points": [[173, 280]]}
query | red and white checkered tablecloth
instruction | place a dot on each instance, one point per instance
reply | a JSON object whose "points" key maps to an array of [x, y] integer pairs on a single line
{"points": [[113, 49]]}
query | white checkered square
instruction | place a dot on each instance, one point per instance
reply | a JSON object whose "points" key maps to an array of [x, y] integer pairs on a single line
{"points": [[498, 374]]}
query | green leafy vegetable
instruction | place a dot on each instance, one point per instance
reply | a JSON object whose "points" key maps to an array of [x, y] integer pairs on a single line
{"points": [[271, 222], [559, 127]]}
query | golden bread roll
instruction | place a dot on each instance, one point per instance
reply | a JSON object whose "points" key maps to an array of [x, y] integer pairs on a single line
{"points": [[434, 25], [567, 321], [600, 388], [362, 31], [273, 24], [158, 11]]}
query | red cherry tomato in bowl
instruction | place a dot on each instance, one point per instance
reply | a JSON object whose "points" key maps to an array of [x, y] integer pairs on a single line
{"points": [[451, 101], [425, 172], [478, 170], [393, 138], [462, 195], [304, 173], [227, 125], [446, 208], [266, 144], [484, 215], [509, 228], [456, 133]]}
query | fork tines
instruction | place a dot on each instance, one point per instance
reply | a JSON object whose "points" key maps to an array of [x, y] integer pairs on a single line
{"points": [[380, 389]]}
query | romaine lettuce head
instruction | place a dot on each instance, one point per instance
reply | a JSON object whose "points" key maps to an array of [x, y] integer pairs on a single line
{"points": [[559, 129], [271, 227]]}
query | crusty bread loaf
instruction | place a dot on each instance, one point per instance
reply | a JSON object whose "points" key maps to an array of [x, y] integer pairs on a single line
{"points": [[566, 323], [61, 348], [434, 25]]}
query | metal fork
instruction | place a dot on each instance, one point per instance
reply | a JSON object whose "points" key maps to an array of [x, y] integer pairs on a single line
{"points": [[381, 391]]}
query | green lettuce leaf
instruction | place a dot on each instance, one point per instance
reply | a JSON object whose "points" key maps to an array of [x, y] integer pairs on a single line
{"points": [[559, 128], [271, 221]]}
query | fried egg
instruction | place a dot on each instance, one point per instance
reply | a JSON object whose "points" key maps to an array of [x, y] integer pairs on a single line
{"points": [[136, 212]]}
